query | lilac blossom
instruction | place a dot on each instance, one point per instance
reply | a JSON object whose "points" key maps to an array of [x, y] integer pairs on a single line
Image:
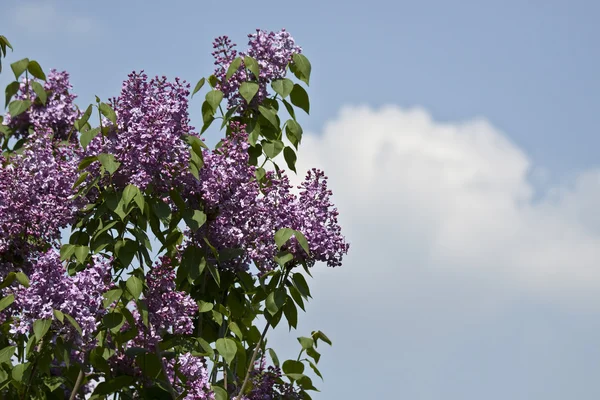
{"points": [[36, 198], [266, 384], [196, 383], [152, 119], [79, 296], [244, 217], [273, 51], [58, 113]]}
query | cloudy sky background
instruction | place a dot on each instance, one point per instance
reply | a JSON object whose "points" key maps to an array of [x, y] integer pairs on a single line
{"points": [[460, 141]]}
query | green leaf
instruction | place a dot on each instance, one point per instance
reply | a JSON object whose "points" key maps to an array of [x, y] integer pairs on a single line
{"points": [[297, 297], [198, 86], [59, 315], [36, 70], [302, 67], [290, 158], [299, 98], [233, 327], [8, 280], [74, 323], [291, 313], [6, 301], [293, 131], [18, 107], [269, 114], [39, 91], [204, 306], [248, 90], [135, 286], [220, 393], [289, 108], [314, 354], [275, 300], [252, 66], [213, 98], [113, 320], [293, 367], [81, 253], [125, 251], [227, 348], [11, 89], [129, 193], [109, 162], [84, 118], [111, 296], [272, 148], [283, 86], [194, 219], [18, 371], [302, 241], [19, 67], [233, 67], [306, 342], [214, 273], [53, 382], [66, 251], [7, 353], [108, 112], [282, 236], [320, 335], [41, 327], [113, 385], [301, 284], [274, 357], [22, 279]]}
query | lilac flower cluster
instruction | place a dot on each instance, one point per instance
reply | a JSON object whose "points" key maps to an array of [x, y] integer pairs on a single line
{"points": [[58, 114], [267, 384], [79, 296], [241, 217], [169, 311], [273, 51], [35, 198], [196, 383], [152, 118]]}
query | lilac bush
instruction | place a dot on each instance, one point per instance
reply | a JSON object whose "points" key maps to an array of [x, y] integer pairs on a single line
{"points": [[134, 260]]}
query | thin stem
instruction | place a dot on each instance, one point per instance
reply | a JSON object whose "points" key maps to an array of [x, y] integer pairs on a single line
{"points": [[251, 366], [77, 384], [164, 370]]}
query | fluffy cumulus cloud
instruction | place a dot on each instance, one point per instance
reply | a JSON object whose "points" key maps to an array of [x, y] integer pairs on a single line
{"points": [[464, 280], [456, 199]]}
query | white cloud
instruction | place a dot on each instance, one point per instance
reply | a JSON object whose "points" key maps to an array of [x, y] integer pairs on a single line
{"points": [[453, 200], [44, 17]]}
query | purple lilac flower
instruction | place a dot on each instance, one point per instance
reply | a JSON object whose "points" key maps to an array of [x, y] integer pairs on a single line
{"points": [[58, 114], [79, 296], [243, 217], [196, 383], [152, 119], [273, 51], [266, 384], [35, 198]]}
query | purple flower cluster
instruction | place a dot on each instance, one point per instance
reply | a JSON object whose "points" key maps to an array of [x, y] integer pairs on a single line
{"points": [[196, 384], [273, 51], [35, 198], [267, 384], [152, 118], [168, 309], [58, 114], [79, 296], [243, 217]]}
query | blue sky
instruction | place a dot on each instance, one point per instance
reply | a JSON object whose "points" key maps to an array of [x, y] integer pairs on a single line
{"points": [[460, 142]]}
